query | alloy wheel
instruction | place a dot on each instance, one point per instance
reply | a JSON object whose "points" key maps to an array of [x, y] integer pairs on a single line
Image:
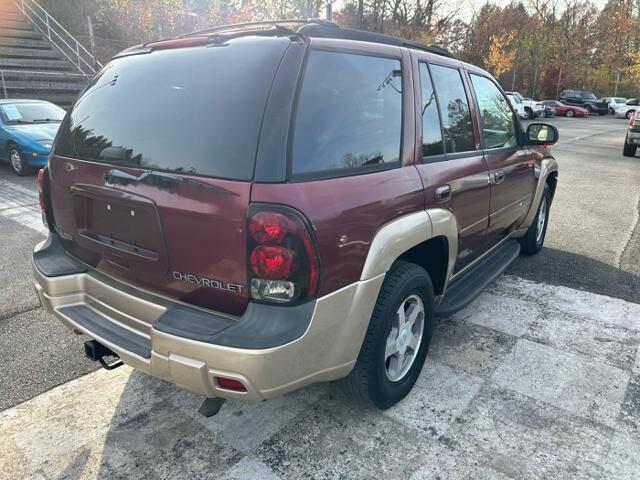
{"points": [[403, 341], [16, 160], [542, 219]]}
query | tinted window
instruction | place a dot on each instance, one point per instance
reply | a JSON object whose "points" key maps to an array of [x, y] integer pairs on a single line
{"points": [[588, 95], [456, 118], [349, 113], [431, 132], [498, 124], [619, 100], [192, 110]]}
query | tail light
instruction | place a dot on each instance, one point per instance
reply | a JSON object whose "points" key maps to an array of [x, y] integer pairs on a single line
{"points": [[282, 259], [41, 195], [230, 384]]}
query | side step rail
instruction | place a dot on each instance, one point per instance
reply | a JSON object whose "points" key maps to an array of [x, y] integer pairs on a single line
{"points": [[466, 288]]}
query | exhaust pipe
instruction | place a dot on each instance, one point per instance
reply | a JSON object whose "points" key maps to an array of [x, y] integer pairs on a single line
{"points": [[96, 351]]}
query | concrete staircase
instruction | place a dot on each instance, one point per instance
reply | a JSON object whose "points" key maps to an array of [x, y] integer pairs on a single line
{"points": [[30, 67]]}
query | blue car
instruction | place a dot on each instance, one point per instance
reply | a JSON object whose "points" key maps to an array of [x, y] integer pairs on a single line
{"points": [[27, 131]]}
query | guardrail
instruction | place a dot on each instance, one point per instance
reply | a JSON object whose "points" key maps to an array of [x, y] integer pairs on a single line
{"points": [[59, 37]]}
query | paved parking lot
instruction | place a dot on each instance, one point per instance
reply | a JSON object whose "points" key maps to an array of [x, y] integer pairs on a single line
{"points": [[538, 378]]}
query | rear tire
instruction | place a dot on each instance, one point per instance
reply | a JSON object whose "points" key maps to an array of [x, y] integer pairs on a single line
{"points": [[379, 379], [629, 150], [532, 242], [628, 114], [528, 112], [17, 160], [570, 113]]}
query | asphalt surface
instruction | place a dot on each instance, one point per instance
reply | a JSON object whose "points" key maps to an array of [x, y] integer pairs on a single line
{"points": [[593, 239], [36, 352]]}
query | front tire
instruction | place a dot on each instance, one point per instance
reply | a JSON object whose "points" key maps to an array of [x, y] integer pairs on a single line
{"points": [[570, 113], [629, 150], [18, 161], [532, 242], [528, 112], [397, 340]]}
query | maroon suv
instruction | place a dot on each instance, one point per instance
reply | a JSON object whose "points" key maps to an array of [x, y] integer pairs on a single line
{"points": [[251, 209]]}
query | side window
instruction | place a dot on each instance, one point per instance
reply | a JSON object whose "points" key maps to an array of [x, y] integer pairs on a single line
{"points": [[349, 113], [454, 106], [498, 124], [431, 132]]}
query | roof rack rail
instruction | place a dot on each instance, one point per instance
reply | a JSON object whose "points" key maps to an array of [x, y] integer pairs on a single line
{"points": [[315, 27], [320, 30], [260, 23]]}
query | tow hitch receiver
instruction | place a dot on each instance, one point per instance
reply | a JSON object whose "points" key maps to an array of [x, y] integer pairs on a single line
{"points": [[96, 351]]}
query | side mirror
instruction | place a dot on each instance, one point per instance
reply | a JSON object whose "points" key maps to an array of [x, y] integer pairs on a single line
{"points": [[541, 134]]}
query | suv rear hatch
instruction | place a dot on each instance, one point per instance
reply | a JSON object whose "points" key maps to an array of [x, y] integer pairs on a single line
{"points": [[152, 168]]}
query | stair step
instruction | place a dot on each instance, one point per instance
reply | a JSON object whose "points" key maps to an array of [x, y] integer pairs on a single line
{"points": [[15, 33], [62, 99], [23, 42], [18, 25], [14, 16], [465, 289], [38, 53], [35, 64], [8, 7], [52, 77], [40, 86]]}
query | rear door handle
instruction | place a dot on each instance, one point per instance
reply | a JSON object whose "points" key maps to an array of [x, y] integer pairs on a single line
{"points": [[443, 193], [498, 176]]}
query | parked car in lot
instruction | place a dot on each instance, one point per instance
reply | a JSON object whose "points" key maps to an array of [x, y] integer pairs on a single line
{"points": [[562, 109], [537, 108], [517, 105], [532, 109], [614, 103], [548, 111], [627, 110], [257, 244], [27, 130], [585, 99], [632, 139]]}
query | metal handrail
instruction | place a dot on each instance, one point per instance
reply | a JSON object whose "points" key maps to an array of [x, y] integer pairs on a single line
{"points": [[75, 52]]}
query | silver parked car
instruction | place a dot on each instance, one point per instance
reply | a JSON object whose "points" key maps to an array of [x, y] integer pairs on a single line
{"points": [[628, 108], [614, 103]]}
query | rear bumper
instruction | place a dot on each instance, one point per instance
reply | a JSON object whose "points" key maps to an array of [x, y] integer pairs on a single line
{"points": [[151, 333]]}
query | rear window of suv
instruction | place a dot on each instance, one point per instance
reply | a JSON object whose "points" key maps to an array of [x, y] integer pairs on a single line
{"points": [[191, 110], [349, 114]]}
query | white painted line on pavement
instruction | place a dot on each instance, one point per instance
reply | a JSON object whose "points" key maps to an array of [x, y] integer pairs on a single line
{"points": [[21, 205]]}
